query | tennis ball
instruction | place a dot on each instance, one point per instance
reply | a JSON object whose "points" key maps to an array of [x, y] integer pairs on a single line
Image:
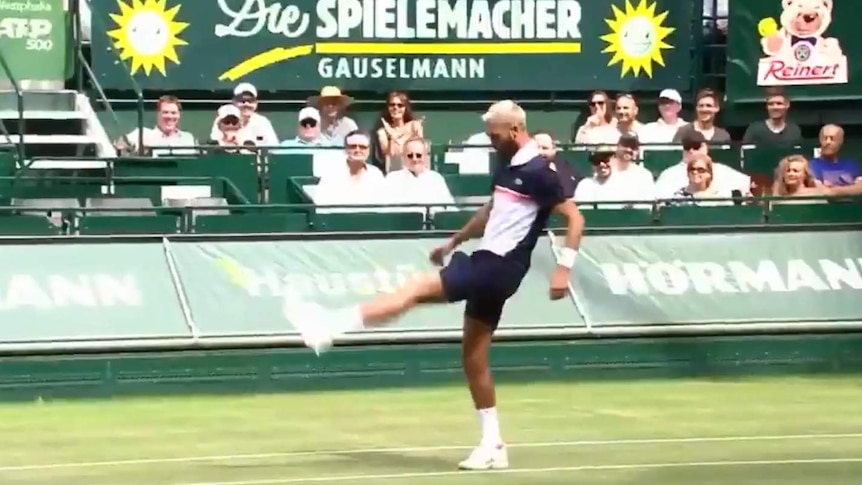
{"points": [[767, 27]]}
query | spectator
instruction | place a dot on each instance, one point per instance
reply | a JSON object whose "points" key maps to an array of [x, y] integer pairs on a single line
{"points": [[253, 125], [793, 178], [626, 122], [707, 106], [334, 123], [668, 123], [358, 183], [700, 184], [307, 133], [228, 132], [775, 130], [633, 181], [416, 183], [569, 177], [398, 126], [724, 178], [830, 168], [600, 116], [165, 134], [599, 187]]}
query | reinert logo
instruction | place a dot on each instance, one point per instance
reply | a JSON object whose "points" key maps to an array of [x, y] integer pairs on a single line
{"points": [[402, 39]]}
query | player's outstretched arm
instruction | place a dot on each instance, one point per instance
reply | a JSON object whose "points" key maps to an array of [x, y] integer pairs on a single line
{"points": [[475, 227], [569, 251]]}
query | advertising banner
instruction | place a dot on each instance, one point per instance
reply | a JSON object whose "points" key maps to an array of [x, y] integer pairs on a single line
{"points": [[382, 45], [237, 287], [56, 292], [806, 46], [33, 36], [721, 278]]}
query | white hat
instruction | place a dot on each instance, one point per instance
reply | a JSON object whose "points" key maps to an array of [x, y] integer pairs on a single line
{"points": [[671, 94], [227, 110], [243, 88], [309, 112]]}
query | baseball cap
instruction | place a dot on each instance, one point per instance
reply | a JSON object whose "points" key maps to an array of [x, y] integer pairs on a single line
{"points": [[243, 88], [227, 110], [671, 94], [309, 113]]}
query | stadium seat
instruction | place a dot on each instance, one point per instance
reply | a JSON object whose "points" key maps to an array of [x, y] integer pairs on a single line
{"points": [[656, 161], [730, 156], [693, 215], [114, 206], [838, 213], [28, 225], [209, 202], [610, 218], [128, 224], [49, 208], [451, 220], [369, 221], [251, 223]]}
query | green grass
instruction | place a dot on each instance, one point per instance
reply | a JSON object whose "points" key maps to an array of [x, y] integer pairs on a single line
{"points": [[771, 424]]}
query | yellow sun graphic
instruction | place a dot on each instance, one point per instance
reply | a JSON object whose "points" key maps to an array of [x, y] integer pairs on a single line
{"points": [[637, 38], [147, 34]]}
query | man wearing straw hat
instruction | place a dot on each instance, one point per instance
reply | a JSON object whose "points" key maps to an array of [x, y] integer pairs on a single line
{"points": [[332, 104]]}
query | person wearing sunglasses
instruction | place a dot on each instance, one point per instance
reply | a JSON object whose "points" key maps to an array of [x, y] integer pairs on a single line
{"points": [[228, 134], [356, 182], [397, 125], [308, 136], [253, 125], [724, 178], [599, 187], [416, 183], [601, 115], [701, 187]]}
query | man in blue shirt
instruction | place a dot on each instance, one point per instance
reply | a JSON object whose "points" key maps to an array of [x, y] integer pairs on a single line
{"points": [[307, 133], [829, 168], [526, 189]]}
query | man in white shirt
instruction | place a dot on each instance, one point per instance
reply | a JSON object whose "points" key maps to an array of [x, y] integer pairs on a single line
{"points": [[164, 135], [598, 187], [416, 183], [724, 178], [359, 183], [308, 136], [669, 122], [627, 124], [632, 181], [254, 126]]}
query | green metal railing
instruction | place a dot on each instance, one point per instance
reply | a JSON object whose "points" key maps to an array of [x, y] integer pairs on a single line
{"points": [[19, 97], [85, 69]]}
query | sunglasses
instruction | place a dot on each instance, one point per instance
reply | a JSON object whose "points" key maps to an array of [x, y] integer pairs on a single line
{"points": [[230, 120], [356, 146], [245, 99], [309, 123], [698, 170], [396, 105], [413, 156], [597, 103]]}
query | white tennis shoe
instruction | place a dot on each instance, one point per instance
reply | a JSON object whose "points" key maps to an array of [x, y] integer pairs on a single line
{"points": [[485, 457], [310, 320]]}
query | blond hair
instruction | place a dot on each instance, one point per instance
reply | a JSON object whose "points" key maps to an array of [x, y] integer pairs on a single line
{"points": [[779, 187], [506, 111]]}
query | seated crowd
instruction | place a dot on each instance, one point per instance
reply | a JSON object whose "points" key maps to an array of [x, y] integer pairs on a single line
{"points": [[392, 164]]}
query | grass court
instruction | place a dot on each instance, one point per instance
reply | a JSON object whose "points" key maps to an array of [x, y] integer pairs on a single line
{"points": [[785, 430]]}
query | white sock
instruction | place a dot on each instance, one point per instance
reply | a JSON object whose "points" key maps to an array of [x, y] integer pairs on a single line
{"points": [[348, 320], [490, 427]]}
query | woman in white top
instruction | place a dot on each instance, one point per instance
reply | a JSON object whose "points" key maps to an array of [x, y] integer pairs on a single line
{"points": [[600, 116], [700, 187], [398, 126]]}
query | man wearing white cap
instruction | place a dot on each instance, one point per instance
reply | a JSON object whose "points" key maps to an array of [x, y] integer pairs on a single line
{"points": [[253, 126], [334, 124], [307, 132], [228, 129], [669, 122]]}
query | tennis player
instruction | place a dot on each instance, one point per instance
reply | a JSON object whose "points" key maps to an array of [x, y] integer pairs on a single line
{"points": [[526, 189]]}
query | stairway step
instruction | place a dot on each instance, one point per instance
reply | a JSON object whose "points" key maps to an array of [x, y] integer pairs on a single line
{"points": [[12, 115], [48, 139], [61, 100]]}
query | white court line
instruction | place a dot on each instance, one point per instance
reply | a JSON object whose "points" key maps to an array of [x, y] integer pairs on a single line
{"points": [[419, 449], [534, 471]]}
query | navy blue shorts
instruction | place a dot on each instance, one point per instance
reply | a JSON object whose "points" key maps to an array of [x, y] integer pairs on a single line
{"points": [[485, 280]]}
